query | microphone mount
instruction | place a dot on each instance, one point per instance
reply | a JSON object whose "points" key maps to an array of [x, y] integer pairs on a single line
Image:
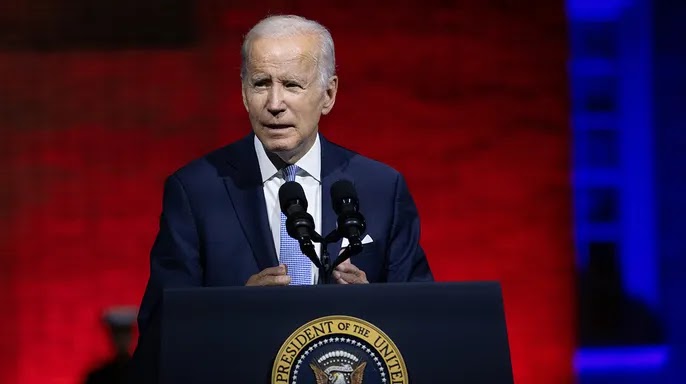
{"points": [[325, 266]]}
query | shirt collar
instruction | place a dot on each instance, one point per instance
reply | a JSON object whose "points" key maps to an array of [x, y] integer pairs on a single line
{"points": [[311, 163]]}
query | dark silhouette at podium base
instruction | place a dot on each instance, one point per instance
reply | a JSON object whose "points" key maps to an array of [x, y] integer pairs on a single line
{"points": [[120, 324]]}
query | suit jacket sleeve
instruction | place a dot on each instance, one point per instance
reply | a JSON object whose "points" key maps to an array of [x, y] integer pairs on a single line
{"points": [[407, 261], [175, 262]]}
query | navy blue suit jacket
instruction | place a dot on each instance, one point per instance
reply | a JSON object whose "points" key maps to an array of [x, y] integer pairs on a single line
{"points": [[214, 229]]}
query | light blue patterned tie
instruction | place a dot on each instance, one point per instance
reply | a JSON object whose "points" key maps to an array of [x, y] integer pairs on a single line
{"points": [[290, 254]]}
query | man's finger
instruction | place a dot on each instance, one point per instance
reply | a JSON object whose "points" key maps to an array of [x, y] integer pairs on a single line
{"points": [[357, 277], [274, 271], [257, 280], [275, 280], [270, 276], [348, 272], [347, 267], [340, 278]]}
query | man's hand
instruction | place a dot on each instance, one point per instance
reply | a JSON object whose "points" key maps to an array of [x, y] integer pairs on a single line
{"points": [[270, 276], [347, 273]]}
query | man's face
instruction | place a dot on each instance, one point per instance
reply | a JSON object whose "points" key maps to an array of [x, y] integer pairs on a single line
{"points": [[283, 95]]}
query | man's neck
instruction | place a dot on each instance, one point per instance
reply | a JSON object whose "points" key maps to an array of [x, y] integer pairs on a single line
{"points": [[278, 161]]}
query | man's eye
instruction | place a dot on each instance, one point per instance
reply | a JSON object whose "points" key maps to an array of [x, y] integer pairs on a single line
{"points": [[292, 85], [261, 83]]}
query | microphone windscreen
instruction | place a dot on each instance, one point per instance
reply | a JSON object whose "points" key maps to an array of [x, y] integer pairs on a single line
{"points": [[340, 191], [290, 192]]}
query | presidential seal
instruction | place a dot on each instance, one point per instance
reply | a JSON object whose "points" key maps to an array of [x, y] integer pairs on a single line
{"points": [[339, 350]]}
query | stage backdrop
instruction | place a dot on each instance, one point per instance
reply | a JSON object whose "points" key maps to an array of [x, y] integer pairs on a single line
{"points": [[99, 103]]}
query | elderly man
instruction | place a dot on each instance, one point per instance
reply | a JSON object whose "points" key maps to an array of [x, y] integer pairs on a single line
{"points": [[222, 224]]}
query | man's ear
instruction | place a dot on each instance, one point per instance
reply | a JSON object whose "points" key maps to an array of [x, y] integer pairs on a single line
{"points": [[330, 95], [245, 100]]}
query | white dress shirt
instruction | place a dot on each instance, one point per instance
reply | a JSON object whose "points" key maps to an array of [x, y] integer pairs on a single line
{"points": [[308, 176]]}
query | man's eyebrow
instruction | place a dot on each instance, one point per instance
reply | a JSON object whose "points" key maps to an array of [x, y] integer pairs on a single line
{"points": [[294, 79], [259, 76]]}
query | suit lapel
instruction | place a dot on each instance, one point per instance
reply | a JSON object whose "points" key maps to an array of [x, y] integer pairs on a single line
{"points": [[244, 186]]}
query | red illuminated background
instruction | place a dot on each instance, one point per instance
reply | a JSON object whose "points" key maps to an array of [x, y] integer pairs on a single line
{"points": [[466, 98]]}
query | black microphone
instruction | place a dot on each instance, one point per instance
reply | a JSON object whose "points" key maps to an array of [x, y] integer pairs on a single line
{"points": [[351, 223], [299, 223]]}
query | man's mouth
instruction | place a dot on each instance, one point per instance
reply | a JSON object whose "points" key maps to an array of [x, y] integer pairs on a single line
{"points": [[278, 126]]}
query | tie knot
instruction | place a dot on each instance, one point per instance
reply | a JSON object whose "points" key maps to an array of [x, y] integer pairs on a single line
{"points": [[289, 172]]}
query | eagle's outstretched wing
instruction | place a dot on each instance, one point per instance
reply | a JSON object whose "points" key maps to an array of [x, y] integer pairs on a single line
{"points": [[319, 375], [356, 376]]}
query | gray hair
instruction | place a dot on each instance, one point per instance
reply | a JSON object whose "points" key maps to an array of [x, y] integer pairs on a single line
{"points": [[292, 25]]}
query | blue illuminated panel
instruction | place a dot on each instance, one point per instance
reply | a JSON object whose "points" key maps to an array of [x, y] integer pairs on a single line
{"points": [[652, 358], [613, 181]]}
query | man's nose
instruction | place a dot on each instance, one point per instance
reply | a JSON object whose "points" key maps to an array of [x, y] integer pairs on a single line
{"points": [[275, 103]]}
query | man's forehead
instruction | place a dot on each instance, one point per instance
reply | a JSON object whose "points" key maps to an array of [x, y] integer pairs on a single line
{"points": [[287, 48], [294, 58]]}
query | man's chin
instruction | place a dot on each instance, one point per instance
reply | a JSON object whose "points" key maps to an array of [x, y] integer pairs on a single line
{"points": [[284, 149], [280, 146], [287, 148]]}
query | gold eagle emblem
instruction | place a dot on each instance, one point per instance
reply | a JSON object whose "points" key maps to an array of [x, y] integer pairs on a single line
{"points": [[339, 374]]}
